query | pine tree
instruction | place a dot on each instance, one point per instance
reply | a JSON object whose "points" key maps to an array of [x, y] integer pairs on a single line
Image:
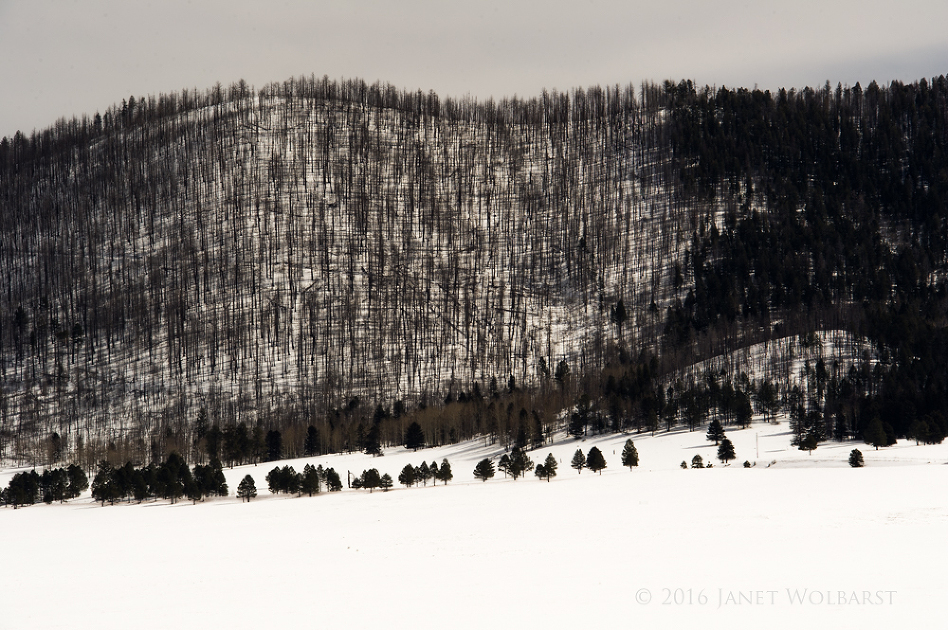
{"points": [[540, 471], [855, 458], [595, 460], [684, 465], [726, 451], [407, 476], [444, 472], [630, 456], [246, 489], [371, 479], [78, 482], [373, 444], [385, 482], [810, 440], [310, 481], [875, 433], [715, 431], [579, 461], [414, 437], [333, 482], [504, 464], [550, 465], [103, 484], [520, 463], [484, 469], [697, 462], [311, 444], [274, 445], [423, 473]]}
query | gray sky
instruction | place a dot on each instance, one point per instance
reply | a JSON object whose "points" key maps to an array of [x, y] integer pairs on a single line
{"points": [[69, 57]]}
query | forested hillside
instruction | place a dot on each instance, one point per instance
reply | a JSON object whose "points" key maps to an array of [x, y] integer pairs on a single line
{"points": [[350, 258]]}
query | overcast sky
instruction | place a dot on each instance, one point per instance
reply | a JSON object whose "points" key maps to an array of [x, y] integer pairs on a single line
{"points": [[69, 57]]}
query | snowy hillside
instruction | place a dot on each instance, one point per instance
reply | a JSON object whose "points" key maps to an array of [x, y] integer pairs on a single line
{"points": [[796, 540], [292, 248]]}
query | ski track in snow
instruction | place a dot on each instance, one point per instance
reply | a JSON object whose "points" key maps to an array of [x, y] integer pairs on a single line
{"points": [[620, 549]]}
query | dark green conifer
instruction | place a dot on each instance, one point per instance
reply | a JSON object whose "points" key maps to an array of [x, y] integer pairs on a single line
{"points": [[595, 460], [630, 456], [484, 469]]}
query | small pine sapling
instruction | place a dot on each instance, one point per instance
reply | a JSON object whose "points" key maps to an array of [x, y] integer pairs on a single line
{"points": [[630, 456], [855, 458], [579, 461]]}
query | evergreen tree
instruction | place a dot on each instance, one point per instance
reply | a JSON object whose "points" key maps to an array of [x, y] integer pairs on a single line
{"points": [[855, 458], [547, 469], [407, 476], [715, 431], [810, 440], [579, 461], [193, 490], [519, 463], [274, 481], [373, 444], [630, 456], [246, 489], [371, 479], [103, 484], [918, 431], [484, 469], [504, 464], [726, 451], [291, 480], [333, 482], [78, 482], [311, 443], [385, 482], [218, 480], [414, 437], [875, 433], [697, 462], [550, 465], [595, 460], [24, 489], [310, 481], [684, 465], [579, 419], [444, 472], [423, 473]]}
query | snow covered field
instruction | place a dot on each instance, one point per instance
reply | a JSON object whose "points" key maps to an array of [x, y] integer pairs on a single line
{"points": [[802, 542]]}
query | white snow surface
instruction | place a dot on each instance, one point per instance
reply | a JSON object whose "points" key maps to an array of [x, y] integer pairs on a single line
{"points": [[795, 541]]}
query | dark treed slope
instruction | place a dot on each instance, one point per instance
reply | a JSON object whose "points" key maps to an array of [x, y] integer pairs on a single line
{"points": [[282, 258], [854, 234]]}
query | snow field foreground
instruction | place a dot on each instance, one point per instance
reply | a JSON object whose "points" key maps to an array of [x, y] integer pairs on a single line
{"points": [[806, 541]]}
